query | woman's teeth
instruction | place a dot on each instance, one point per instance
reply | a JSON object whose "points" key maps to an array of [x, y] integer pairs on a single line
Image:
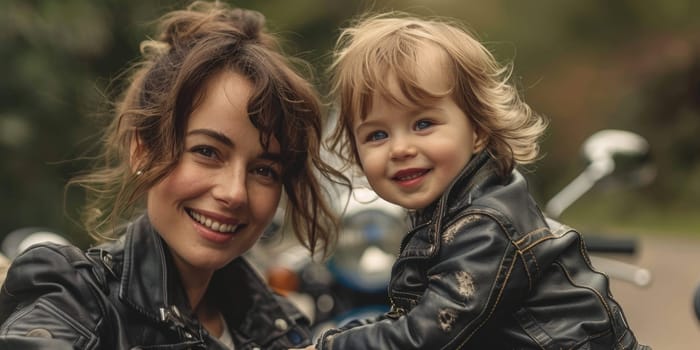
{"points": [[213, 225]]}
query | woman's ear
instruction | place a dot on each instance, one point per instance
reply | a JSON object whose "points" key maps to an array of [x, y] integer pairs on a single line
{"points": [[136, 154]]}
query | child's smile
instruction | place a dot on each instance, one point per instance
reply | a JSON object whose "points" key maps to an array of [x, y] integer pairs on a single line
{"points": [[410, 177]]}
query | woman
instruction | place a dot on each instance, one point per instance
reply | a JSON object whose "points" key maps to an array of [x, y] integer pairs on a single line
{"points": [[213, 127]]}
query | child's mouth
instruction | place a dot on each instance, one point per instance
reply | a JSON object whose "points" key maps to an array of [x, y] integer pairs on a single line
{"points": [[409, 174]]}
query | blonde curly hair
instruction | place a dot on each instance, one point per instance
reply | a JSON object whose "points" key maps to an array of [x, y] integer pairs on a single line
{"points": [[387, 45]]}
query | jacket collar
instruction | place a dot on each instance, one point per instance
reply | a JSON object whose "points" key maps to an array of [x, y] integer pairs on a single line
{"points": [[424, 238], [145, 275]]}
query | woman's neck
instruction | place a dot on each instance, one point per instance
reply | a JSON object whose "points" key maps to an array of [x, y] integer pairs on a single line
{"points": [[196, 283], [210, 317]]}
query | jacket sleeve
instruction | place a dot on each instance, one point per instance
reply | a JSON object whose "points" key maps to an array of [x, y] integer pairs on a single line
{"points": [[48, 299], [466, 288]]}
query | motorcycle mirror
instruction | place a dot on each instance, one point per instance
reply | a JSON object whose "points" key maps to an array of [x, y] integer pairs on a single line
{"points": [[613, 155], [619, 156], [610, 143]]}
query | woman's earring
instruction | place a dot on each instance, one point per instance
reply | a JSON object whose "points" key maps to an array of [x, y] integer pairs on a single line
{"points": [[139, 172]]}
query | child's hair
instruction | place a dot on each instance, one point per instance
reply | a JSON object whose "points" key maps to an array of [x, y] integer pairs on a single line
{"points": [[381, 46], [191, 46]]}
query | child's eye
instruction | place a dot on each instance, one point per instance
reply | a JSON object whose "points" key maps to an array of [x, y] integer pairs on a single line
{"points": [[376, 136], [423, 124]]}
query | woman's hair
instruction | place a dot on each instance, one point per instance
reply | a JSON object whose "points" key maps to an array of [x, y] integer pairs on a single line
{"points": [[191, 46], [387, 45]]}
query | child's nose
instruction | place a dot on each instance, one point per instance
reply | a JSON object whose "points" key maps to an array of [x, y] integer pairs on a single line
{"points": [[402, 148]]}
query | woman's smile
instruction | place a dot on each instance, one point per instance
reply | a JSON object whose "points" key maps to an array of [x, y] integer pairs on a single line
{"points": [[212, 223]]}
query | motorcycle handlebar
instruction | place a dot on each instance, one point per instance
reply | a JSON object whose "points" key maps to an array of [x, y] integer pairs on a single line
{"points": [[600, 244], [614, 268]]}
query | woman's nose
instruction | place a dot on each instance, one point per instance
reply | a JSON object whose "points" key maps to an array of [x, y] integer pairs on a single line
{"points": [[231, 190]]}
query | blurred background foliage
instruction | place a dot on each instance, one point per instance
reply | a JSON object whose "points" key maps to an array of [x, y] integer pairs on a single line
{"points": [[586, 65]]}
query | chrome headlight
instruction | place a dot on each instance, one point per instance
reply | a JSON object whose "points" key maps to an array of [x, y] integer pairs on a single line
{"points": [[368, 243]]}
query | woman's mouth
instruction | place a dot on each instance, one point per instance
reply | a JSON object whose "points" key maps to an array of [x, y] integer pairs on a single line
{"points": [[212, 224]]}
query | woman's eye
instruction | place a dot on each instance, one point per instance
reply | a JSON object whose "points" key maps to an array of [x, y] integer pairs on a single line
{"points": [[376, 136], [267, 171], [206, 151], [423, 124]]}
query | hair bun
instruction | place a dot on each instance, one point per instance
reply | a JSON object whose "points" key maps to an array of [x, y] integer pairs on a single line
{"points": [[249, 22], [182, 27]]}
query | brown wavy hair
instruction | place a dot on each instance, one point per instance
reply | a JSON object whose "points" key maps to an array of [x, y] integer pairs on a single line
{"points": [[379, 46], [189, 47]]}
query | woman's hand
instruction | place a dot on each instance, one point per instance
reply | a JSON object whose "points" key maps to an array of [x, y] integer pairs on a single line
{"points": [[310, 347]]}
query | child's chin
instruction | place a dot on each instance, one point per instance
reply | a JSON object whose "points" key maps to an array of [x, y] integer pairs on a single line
{"points": [[415, 205]]}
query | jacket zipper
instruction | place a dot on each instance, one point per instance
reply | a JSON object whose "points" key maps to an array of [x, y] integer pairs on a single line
{"points": [[395, 311]]}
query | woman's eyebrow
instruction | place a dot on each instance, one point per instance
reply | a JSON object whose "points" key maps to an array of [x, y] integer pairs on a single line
{"points": [[273, 156], [213, 134]]}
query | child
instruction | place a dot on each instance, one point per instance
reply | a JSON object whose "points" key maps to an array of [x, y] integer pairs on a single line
{"points": [[430, 118]]}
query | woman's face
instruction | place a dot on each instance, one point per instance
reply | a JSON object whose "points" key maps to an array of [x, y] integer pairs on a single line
{"points": [[224, 189]]}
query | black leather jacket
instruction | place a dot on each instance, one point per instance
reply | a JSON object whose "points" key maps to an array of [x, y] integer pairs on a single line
{"points": [[127, 295], [483, 269]]}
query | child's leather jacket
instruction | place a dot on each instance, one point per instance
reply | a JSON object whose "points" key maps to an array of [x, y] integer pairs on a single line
{"points": [[127, 295], [482, 269]]}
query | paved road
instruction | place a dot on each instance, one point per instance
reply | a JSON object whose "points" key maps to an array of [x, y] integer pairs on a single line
{"points": [[661, 314]]}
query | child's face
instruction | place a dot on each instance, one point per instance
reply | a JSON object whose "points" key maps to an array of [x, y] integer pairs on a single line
{"points": [[410, 154]]}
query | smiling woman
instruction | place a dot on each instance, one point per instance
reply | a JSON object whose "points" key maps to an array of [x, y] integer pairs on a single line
{"points": [[213, 127], [223, 192]]}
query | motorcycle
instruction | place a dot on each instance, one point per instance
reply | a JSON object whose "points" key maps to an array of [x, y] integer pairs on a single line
{"points": [[352, 283]]}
